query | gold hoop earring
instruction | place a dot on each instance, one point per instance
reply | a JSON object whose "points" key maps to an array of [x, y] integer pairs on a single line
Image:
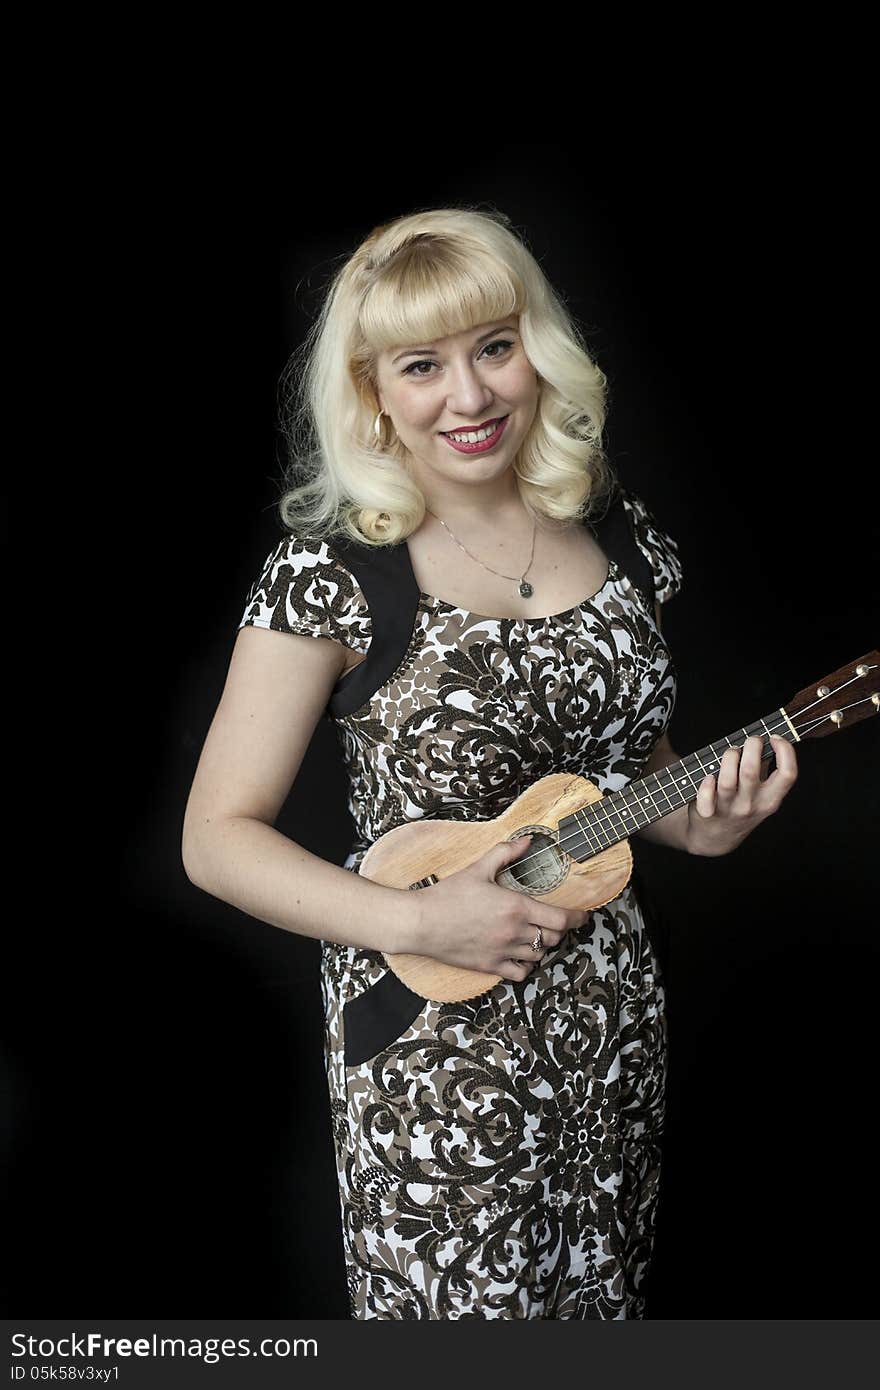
{"points": [[377, 429]]}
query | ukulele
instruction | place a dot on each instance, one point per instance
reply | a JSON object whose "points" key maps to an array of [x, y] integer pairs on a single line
{"points": [[579, 854]]}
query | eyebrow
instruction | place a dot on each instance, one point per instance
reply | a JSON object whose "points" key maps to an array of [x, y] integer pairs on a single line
{"points": [[416, 352]]}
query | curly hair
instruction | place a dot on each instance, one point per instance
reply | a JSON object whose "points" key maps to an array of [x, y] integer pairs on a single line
{"points": [[430, 274]]}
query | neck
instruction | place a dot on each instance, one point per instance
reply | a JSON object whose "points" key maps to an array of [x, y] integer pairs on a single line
{"points": [[472, 504]]}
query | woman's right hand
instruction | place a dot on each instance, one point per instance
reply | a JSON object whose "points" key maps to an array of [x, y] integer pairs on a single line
{"points": [[470, 921]]}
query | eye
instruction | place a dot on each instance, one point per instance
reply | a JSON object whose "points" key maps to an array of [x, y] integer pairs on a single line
{"points": [[504, 343], [499, 342]]}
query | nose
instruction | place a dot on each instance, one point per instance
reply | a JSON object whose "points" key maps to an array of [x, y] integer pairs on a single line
{"points": [[469, 394]]}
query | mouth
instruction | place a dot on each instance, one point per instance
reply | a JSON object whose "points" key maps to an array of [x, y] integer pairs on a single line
{"points": [[482, 445]]}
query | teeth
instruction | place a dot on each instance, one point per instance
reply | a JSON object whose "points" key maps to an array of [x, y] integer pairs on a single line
{"points": [[476, 436]]}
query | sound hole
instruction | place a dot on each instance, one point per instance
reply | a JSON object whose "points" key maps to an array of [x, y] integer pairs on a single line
{"points": [[540, 867]]}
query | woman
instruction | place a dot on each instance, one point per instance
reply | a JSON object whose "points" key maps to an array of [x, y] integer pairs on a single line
{"points": [[500, 1157]]}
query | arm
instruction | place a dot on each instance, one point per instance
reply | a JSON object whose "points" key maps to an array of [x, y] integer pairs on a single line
{"points": [[276, 689]]}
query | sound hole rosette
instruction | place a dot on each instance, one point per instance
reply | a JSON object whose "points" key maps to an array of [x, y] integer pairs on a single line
{"points": [[542, 873]]}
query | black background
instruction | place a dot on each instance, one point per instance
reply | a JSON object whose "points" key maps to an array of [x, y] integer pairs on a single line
{"points": [[168, 1117]]}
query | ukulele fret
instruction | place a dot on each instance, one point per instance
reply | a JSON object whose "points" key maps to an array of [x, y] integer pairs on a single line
{"points": [[619, 814]]}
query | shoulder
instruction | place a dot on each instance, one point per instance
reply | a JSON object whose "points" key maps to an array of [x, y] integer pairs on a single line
{"points": [[301, 553], [305, 586], [654, 541]]}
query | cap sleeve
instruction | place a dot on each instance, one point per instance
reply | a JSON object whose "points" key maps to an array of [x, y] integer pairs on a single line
{"points": [[656, 545], [305, 588]]}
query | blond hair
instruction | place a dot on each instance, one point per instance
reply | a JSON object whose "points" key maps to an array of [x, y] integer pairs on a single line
{"points": [[427, 275]]}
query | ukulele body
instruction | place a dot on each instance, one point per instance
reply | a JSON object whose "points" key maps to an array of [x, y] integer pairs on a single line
{"points": [[415, 855]]}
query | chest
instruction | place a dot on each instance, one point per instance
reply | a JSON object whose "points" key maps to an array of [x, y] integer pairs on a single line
{"points": [[480, 707], [568, 566]]}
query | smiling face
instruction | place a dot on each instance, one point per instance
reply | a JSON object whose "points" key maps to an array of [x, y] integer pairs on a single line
{"points": [[469, 379]]}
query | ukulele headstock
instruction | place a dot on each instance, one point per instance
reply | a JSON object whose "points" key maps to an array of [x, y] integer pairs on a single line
{"points": [[843, 698]]}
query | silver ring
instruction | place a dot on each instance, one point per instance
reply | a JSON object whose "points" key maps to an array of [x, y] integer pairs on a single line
{"points": [[538, 943]]}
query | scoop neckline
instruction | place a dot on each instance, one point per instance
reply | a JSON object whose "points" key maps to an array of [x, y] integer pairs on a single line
{"points": [[450, 607]]}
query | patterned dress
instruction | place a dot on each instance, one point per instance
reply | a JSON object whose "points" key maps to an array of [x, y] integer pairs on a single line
{"points": [[497, 1158]]}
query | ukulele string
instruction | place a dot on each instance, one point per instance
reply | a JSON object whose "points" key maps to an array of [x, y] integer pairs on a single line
{"points": [[602, 817], [602, 821], [812, 724]]}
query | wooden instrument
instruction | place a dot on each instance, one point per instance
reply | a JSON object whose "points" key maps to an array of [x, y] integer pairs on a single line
{"points": [[579, 854]]}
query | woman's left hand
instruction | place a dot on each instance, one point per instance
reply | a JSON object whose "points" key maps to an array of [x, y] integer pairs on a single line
{"points": [[728, 808]]}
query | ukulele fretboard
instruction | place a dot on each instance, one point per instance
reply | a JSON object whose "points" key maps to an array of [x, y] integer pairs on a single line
{"points": [[619, 814]]}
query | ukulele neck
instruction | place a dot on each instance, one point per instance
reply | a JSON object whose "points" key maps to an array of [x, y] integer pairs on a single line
{"points": [[618, 815]]}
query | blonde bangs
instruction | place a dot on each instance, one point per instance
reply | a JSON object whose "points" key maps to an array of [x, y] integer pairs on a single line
{"points": [[430, 289]]}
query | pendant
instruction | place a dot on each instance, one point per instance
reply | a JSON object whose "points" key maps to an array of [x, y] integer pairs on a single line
{"points": [[525, 589]]}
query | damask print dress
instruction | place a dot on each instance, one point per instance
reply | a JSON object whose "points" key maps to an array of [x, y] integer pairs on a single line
{"points": [[497, 1158]]}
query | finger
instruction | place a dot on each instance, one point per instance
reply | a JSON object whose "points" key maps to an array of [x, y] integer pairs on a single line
{"points": [[515, 969], [500, 855], [750, 761], [706, 795], [746, 800], [578, 918], [549, 935], [530, 959], [728, 777], [524, 948], [767, 764], [786, 758], [781, 781], [553, 921]]}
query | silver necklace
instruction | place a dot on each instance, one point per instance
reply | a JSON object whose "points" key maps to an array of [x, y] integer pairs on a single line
{"points": [[524, 587]]}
